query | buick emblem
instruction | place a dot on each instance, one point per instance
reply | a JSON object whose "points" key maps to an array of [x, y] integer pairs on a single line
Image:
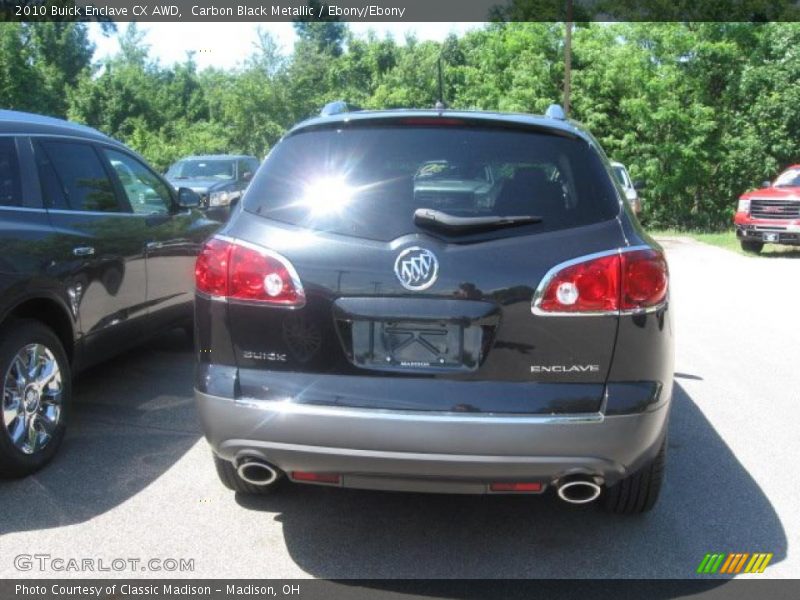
{"points": [[416, 268]]}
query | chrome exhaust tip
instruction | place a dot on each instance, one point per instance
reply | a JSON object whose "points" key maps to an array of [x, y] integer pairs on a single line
{"points": [[579, 491], [256, 471]]}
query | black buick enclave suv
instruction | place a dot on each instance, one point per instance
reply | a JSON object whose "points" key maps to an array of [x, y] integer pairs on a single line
{"points": [[437, 301], [96, 253]]}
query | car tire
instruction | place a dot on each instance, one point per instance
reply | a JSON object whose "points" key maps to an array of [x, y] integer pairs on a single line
{"points": [[35, 399], [752, 247], [226, 471], [637, 493]]}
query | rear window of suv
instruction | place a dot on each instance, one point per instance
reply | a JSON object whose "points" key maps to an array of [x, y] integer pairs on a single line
{"points": [[368, 181]]}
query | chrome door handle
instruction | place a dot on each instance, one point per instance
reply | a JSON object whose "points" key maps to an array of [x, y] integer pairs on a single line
{"points": [[83, 251]]}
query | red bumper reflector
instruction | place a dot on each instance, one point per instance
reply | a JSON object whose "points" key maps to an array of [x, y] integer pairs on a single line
{"points": [[532, 486], [333, 478]]}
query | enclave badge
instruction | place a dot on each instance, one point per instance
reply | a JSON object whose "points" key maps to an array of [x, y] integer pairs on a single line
{"points": [[416, 268]]}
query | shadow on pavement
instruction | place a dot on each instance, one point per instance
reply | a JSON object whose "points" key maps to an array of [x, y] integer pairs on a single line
{"points": [[709, 504], [132, 418], [780, 252]]}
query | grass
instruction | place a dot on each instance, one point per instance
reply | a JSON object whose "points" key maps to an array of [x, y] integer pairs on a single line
{"points": [[728, 241]]}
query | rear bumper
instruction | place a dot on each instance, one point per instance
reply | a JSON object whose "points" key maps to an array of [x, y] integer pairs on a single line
{"points": [[433, 451]]}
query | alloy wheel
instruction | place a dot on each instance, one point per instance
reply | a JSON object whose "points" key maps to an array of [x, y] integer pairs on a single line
{"points": [[32, 398]]}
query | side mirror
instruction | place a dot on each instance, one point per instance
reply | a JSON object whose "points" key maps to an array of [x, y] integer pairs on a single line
{"points": [[639, 185], [188, 198], [766, 184], [247, 175]]}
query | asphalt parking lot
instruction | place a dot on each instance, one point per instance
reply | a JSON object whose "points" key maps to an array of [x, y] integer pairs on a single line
{"points": [[135, 478]]}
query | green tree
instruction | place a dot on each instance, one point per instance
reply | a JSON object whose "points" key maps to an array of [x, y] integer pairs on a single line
{"points": [[40, 63], [18, 78], [701, 111], [61, 53], [325, 35]]}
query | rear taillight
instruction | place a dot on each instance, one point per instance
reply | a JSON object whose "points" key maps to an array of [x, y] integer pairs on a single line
{"points": [[645, 278], [622, 281], [211, 268], [244, 272], [590, 286]]}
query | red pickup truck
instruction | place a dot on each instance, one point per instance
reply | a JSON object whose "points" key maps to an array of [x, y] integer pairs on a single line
{"points": [[770, 215]]}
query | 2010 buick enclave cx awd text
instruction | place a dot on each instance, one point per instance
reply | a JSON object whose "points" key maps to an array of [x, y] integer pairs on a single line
{"points": [[437, 301]]}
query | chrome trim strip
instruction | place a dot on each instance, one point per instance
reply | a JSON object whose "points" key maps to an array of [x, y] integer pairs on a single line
{"points": [[23, 209], [92, 135], [789, 200], [537, 295], [293, 408], [60, 211], [209, 296], [645, 311], [99, 213]]}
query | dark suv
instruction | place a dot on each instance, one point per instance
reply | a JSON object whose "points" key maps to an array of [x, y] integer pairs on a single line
{"points": [[219, 179], [355, 332], [97, 253]]}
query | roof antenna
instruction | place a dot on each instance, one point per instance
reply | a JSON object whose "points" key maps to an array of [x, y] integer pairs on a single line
{"points": [[440, 105]]}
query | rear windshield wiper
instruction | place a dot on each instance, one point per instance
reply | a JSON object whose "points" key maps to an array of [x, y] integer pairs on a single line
{"points": [[436, 218]]}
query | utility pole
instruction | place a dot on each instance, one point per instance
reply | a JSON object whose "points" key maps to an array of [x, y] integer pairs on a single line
{"points": [[568, 59], [440, 104]]}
